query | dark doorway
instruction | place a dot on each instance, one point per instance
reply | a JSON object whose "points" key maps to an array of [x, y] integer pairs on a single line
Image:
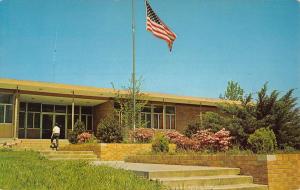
{"points": [[61, 121], [47, 126]]}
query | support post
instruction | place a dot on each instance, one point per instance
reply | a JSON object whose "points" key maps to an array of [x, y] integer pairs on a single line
{"points": [[16, 115], [164, 117], [152, 116], [201, 117], [73, 104]]}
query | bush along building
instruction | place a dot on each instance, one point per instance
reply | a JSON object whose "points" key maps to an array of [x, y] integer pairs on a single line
{"points": [[29, 109]]}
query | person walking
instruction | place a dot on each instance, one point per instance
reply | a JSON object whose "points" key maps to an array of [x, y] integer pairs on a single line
{"points": [[55, 134]]}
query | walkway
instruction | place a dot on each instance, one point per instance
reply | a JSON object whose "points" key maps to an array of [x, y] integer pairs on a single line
{"points": [[182, 177]]}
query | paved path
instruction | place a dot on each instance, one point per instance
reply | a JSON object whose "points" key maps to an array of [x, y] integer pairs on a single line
{"points": [[152, 167]]}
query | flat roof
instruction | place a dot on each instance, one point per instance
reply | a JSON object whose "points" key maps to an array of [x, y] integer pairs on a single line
{"points": [[94, 93]]}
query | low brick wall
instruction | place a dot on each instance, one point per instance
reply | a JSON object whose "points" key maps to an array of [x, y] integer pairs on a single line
{"points": [[284, 172], [280, 171], [121, 151], [113, 151], [96, 148]]}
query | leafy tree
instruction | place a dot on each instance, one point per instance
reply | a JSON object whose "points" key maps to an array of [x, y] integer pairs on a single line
{"points": [[233, 92], [124, 107]]}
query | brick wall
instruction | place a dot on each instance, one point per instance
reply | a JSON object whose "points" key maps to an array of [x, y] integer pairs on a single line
{"points": [[121, 151], [113, 151], [280, 171], [284, 172], [186, 114], [101, 111]]}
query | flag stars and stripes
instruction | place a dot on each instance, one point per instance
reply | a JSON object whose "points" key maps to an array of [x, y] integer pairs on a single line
{"points": [[158, 28]]}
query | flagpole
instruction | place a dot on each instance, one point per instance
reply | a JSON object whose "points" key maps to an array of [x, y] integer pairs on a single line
{"points": [[133, 61]]}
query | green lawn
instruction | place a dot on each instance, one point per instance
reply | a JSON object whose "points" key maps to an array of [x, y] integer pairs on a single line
{"points": [[27, 170]]}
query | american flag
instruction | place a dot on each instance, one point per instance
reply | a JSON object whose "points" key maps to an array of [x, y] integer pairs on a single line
{"points": [[158, 27]]}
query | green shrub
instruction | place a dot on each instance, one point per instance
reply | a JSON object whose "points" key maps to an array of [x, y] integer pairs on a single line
{"points": [[191, 129], [79, 127], [263, 140], [72, 137], [210, 120], [160, 143], [109, 130]]}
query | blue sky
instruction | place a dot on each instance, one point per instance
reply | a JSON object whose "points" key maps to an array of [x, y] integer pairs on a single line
{"points": [[248, 41]]}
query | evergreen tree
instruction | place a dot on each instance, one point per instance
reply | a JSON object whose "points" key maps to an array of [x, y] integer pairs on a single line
{"points": [[269, 110]]}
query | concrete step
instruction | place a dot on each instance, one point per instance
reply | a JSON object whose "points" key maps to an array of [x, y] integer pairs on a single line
{"points": [[70, 156], [88, 159], [43, 143], [48, 152], [177, 182], [39, 148], [177, 177], [189, 173], [226, 187], [39, 144]]}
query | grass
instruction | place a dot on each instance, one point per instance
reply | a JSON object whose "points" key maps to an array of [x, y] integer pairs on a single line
{"points": [[28, 170]]}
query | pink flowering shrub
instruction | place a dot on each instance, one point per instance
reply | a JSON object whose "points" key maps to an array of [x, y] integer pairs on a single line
{"points": [[203, 139], [223, 139], [85, 137], [173, 136], [219, 141], [182, 142], [143, 135]]}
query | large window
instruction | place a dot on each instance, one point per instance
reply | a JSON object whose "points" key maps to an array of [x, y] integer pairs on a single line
{"points": [[158, 117], [170, 117], [86, 113], [6, 107], [153, 116], [146, 116], [33, 120]]}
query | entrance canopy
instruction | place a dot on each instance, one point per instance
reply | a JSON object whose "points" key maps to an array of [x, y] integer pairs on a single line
{"points": [[59, 100]]}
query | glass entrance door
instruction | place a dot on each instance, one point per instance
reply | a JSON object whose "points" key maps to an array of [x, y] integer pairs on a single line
{"points": [[61, 121], [47, 123]]}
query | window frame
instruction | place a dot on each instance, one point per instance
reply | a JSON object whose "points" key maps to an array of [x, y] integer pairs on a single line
{"points": [[4, 113]]}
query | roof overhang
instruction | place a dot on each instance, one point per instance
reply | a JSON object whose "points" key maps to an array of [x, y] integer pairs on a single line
{"points": [[54, 92]]}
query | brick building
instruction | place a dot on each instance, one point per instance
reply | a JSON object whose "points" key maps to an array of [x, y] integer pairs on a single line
{"points": [[28, 109]]}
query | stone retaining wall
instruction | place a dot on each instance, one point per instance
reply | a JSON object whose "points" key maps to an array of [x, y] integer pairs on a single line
{"points": [[280, 171]]}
